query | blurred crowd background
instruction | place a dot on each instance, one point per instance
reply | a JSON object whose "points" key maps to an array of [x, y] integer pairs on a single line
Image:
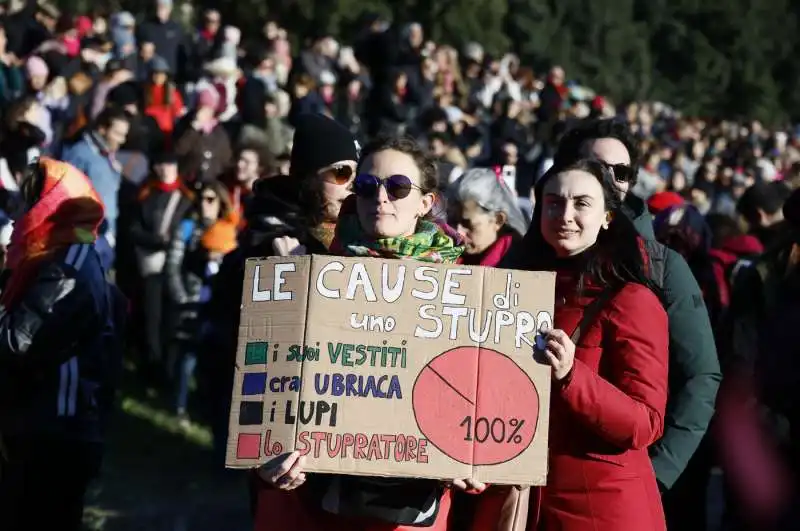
{"points": [[152, 97]]}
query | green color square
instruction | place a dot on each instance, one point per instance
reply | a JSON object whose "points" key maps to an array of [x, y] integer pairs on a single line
{"points": [[256, 353]]}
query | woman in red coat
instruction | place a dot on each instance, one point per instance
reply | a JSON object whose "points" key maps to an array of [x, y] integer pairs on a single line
{"points": [[610, 390]]}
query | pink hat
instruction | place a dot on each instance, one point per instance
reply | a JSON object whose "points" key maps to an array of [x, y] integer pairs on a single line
{"points": [[35, 66], [208, 97], [84, 25]]}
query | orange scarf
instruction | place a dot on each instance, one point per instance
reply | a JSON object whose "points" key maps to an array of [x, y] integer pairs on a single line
{"points": [[221, 236], [68, 211]]}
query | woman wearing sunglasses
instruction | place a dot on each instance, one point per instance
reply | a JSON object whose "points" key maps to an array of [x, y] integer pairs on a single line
{"points": [[299, 208], [322, 167], [390, 217], [196, 250]]}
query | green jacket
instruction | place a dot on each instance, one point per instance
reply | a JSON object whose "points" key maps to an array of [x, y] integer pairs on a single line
{"points": [[694, 372]]}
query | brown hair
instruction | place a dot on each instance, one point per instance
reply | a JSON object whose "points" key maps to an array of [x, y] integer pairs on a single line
{"points": [[429, 176], [225, 204], [305, 81], [266, 160]]}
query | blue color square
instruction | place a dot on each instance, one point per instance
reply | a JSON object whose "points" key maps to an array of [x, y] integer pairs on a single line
{"points": [[254, 383]]}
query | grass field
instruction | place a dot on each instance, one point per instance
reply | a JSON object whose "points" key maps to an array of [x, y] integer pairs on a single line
{"points": [[159, 475]]}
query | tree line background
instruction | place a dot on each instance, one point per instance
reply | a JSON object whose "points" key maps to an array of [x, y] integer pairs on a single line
{"points": [[733, 59]]}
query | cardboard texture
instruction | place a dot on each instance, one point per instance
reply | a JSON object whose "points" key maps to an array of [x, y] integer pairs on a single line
{"points": [[393, 368]]}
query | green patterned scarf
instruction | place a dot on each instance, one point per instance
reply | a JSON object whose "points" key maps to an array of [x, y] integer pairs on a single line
{"points": [[431, 243]]}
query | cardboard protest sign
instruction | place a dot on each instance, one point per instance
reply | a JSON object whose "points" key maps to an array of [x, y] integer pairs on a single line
{"points": [[393, 368]]}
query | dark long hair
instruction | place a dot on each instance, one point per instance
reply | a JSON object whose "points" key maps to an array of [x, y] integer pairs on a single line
{"points": [[618, 255]]}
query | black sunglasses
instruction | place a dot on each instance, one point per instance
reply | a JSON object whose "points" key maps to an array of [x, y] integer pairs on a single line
{"points": [[397, 186], [209, 198], [622, 172]]}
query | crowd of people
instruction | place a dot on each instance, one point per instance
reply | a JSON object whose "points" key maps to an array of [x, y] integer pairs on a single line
{"points": [[143, 160]]}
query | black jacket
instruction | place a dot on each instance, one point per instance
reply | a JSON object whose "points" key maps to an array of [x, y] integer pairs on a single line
{"points": [[275, 211], [144, 228], [61, 351], [170, 43]]}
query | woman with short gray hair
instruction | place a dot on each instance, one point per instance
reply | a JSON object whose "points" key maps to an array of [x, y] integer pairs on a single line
{"points": [[484, 210]]}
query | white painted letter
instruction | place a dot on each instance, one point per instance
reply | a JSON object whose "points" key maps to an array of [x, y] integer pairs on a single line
{"points": [[455, 314], [428, 334], [280, 269], [475, 335], [393, 293], [419, 274], [321, 289], [448, 297], [359, 277], [544, 323], [525, 325], [501, 319], [355, 324], [500, 300], [258, 294]]}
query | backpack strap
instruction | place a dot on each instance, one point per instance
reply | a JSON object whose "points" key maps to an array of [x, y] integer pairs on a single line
{"points": [[741, 263], [590, 314]]}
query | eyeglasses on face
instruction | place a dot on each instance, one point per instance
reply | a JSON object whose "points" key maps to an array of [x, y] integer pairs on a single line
{"points": [[622, 172], [397, 186], [338, 174]]}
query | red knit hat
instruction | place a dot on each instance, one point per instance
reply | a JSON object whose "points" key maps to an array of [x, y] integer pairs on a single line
{"points": [[663, 200]]}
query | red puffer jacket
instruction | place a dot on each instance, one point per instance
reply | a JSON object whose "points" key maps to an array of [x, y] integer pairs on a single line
{"points": [[604, 415]]}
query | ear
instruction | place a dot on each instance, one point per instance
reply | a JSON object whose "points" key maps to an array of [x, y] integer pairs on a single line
{"points": [[794, 255], [500, 218], [428, 200], [607, 221]]}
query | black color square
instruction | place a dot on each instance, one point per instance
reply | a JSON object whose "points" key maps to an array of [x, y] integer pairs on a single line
{"points": [[251, 413]]}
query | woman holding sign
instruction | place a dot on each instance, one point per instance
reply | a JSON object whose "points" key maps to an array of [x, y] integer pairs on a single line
{"points": [[608, 354], [388, 217]]}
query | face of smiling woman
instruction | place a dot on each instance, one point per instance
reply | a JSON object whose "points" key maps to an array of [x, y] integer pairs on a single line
{"points": [[573, 212]]}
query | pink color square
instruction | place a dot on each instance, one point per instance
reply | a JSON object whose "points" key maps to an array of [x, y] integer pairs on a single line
{"points": [[248, 446]]}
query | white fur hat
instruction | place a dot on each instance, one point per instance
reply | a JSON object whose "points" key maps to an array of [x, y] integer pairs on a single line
{"points": [[222, 67]]}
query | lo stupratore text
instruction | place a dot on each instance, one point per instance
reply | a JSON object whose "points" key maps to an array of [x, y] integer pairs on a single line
{"points": [[370, 447]]}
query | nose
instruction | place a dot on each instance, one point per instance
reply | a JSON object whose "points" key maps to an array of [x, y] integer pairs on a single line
{"points": [[382, 195], [567, 212], [461, 230]]}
